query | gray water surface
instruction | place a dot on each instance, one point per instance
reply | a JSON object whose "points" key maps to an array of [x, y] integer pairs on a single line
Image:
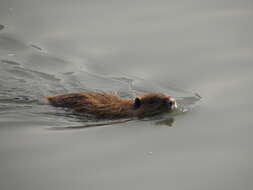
{"points": [[176, 47]]}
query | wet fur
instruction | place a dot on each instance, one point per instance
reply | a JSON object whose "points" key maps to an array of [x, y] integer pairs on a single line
{"points": [[108, 105]]}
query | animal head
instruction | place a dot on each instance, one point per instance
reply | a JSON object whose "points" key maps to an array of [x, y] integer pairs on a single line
{"points": [[152, 104]]}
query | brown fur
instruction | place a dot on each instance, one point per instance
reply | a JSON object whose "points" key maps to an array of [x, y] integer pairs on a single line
{"points": [[107, 105]]}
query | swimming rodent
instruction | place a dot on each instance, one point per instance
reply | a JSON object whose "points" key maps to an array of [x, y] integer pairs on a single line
{"points": [[111, 106]]}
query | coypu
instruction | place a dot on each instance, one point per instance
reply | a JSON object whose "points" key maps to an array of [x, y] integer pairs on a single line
{"points": [[111, 106]]}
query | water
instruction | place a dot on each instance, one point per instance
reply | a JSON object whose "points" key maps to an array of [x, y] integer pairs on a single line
{"points": [[176, 47]]}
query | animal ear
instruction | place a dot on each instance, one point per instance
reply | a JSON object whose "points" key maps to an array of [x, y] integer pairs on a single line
{"points": [[137, 102]]}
